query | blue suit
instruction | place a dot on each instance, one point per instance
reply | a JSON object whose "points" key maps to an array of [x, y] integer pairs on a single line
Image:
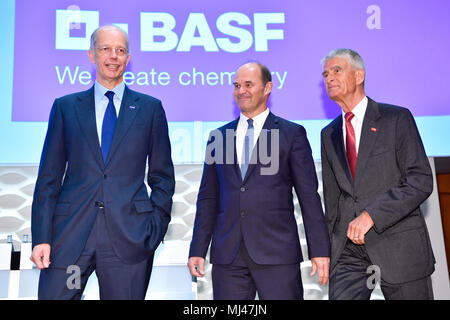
{"points": [[258, 211], [74, 182]]}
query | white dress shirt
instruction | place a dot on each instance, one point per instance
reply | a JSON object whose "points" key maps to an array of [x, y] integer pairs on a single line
{"points": [[101, 102], [359, 111], [241, 130]]}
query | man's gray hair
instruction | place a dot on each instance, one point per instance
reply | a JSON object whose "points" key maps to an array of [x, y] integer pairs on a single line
{"points": [[356, 62], [94, 35]]}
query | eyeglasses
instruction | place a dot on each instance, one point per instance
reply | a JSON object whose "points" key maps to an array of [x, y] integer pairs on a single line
{"points": [[104, 51]]}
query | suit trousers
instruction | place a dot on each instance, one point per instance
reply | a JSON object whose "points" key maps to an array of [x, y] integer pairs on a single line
{"points": [[116, 279], [353, 279], [241, 279]]}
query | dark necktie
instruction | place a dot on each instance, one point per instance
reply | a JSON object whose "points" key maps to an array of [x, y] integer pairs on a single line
{"points": [[109, 123], [248, 147], [350, 143]]}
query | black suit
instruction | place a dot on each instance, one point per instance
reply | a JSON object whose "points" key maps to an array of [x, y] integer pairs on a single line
{"points": [[393, 177]]}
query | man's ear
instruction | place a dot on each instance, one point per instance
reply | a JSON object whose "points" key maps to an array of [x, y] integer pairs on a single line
{"points": [[91, 56], [268, 88], [360, 76]]}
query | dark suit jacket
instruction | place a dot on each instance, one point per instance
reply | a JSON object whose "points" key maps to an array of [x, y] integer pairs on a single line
{"points": [[260, 209], [393, 177], [73, 178]]}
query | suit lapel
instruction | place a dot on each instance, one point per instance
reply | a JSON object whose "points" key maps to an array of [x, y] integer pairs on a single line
{"points": [[85, 111], [127, 113], [368, 136], [270, 123], [235, 164], [337, 139]]}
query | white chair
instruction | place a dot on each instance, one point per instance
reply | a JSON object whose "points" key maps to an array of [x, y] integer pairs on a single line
{"points": [[5, 256], [5, 266]]}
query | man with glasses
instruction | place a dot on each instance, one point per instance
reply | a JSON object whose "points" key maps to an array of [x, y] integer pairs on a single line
{"points": [[91, 209]]}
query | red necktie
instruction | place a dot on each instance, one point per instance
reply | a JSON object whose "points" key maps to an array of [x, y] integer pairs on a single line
{"points": [[350, 143]]}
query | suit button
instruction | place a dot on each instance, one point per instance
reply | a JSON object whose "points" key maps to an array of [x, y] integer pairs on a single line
{"points": [[99, 204], [105, 176], [242, 214], [243, 189]]}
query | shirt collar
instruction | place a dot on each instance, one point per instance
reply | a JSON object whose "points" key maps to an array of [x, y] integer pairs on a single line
{"points": [[257, 120], [99, 91], [359, 110]]}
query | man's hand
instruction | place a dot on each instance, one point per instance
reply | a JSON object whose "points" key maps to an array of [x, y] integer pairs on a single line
{"points": [[358, 227], [322, 264], [41, 256], [197, 266]]}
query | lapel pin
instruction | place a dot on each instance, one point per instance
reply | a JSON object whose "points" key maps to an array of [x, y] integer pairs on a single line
{"points": [[374, 129], [132, 107]]}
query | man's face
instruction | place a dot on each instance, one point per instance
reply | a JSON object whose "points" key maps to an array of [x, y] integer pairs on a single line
{"points": [[249, 91], [341, 80], [108, 57]]}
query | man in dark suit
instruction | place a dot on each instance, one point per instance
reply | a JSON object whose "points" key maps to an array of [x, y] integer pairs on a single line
{"points": [[91, 209], [246, 205], [375, 176]]}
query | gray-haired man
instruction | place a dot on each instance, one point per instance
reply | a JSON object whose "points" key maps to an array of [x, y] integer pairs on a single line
{"points": [[375, 176], [91, 210]]}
